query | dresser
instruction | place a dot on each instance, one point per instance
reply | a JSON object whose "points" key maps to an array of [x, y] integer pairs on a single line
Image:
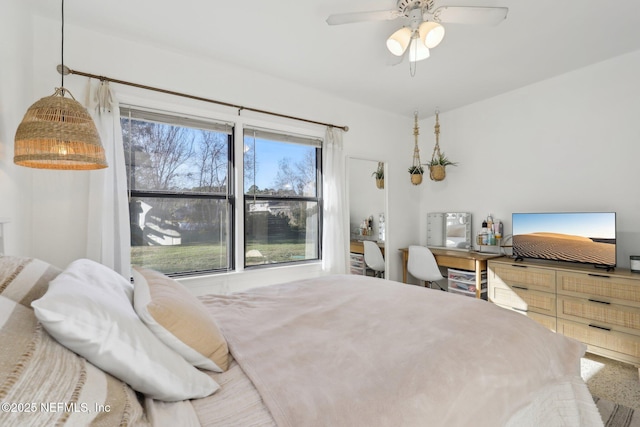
{"points": [[598, 307]]}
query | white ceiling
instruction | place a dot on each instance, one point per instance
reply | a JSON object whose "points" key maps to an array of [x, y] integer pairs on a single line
{"points": [[290, 39]]}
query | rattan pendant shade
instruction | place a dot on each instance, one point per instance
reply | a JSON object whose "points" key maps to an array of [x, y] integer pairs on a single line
{"points": [[58, 133]]}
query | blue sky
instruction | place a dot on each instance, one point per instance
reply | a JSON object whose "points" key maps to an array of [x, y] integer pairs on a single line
{"points": [[269, 154]]}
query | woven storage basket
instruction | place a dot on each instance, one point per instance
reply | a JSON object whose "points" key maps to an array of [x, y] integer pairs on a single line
{"points": [[58, 133], [437, 172]]}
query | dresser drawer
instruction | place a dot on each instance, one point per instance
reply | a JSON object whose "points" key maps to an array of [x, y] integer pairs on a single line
{"points": [[523, 276], [592, 311], [525, 300], [599, 286], [619, 345], [548, 322]]}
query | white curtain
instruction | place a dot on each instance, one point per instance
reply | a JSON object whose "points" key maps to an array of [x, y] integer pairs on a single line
{"points": [[335, 215], [108, 235]]}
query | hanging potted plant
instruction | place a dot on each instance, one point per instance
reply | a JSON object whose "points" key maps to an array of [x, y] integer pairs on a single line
{"points": [[439, 161], [416, 170], [379, 175], [416, 174], [437, 171]]}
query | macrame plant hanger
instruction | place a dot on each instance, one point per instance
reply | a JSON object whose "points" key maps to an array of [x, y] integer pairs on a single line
{"points": [[416, 169], [436, 170]]}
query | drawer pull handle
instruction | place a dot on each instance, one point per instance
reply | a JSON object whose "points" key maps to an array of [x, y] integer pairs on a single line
{"points": [[604, 276], [599, 302], [520, 287], [518, 265], [600, 327], [522, 310]]}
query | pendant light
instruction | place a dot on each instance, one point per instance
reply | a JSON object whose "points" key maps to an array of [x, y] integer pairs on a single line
{"points": [[57, 132]]}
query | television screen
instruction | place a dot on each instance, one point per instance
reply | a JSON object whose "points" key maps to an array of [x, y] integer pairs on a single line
{"points": [[584, 237]]}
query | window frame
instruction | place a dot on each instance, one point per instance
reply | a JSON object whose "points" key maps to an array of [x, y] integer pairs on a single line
{"points": [[290, 138]]}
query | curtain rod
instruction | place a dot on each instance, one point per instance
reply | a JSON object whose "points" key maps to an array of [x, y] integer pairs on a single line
{"points": [[68, 70]]}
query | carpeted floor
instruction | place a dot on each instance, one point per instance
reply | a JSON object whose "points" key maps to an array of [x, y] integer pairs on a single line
{"points": [[616, 390]]}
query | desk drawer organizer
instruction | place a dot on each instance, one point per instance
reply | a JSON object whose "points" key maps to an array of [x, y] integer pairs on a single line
{"points": [[357, 264], [464, 283]]}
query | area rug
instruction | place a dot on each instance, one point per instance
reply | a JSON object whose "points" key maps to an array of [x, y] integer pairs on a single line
{"points": [[615, 415]]}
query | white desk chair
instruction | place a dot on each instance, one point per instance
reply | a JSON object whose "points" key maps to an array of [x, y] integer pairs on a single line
{"points": [[373, 258], [422, 265]]}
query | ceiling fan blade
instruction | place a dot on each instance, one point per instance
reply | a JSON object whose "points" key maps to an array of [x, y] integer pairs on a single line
{"points": [[470, 15], [350, 18]]}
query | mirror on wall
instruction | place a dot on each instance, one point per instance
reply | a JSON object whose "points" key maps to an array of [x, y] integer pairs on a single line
{"points": [[367, 215], [450, 230]]}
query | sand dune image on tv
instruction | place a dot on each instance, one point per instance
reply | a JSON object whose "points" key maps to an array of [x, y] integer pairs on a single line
{"points": [[565, 247]]}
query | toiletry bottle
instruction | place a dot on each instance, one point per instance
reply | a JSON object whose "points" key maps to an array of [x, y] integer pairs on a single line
{"points": [[497, 227], [483, 232]]}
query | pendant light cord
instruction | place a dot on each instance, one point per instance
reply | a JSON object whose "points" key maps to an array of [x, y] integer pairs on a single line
{"points": [[62, 47]]}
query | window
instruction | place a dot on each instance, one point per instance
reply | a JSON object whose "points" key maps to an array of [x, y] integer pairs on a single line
{"points": [[180, 192], [282, 204]]}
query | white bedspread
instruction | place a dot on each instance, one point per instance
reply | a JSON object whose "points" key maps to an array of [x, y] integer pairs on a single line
{"points": [[356, 351]]}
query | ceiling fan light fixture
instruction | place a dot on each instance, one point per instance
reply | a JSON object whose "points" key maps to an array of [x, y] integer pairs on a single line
{"points": [[431, 33], [398, 42], [417, 50]]}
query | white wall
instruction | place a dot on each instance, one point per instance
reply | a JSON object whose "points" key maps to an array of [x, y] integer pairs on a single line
{"points": [[571, 143], [16, 76]]}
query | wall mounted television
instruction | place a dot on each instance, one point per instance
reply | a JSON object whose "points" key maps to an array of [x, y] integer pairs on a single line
{"points": [[580, 237]]}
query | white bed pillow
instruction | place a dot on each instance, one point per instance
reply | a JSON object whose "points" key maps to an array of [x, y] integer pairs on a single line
{"points": [[87, 308]]}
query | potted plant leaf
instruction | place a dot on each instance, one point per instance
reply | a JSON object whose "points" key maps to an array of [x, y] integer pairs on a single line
{"points": [[379, 175], [416, 174], [437, 166]]}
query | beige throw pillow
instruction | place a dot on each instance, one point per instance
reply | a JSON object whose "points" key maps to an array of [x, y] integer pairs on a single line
{"points": [[179, 320]]}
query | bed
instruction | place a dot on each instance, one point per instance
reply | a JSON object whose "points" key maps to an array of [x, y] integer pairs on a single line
{"points": [[83, 346]]}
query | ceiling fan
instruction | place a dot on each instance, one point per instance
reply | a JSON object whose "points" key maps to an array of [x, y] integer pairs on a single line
{"points": [[424, 31]]}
